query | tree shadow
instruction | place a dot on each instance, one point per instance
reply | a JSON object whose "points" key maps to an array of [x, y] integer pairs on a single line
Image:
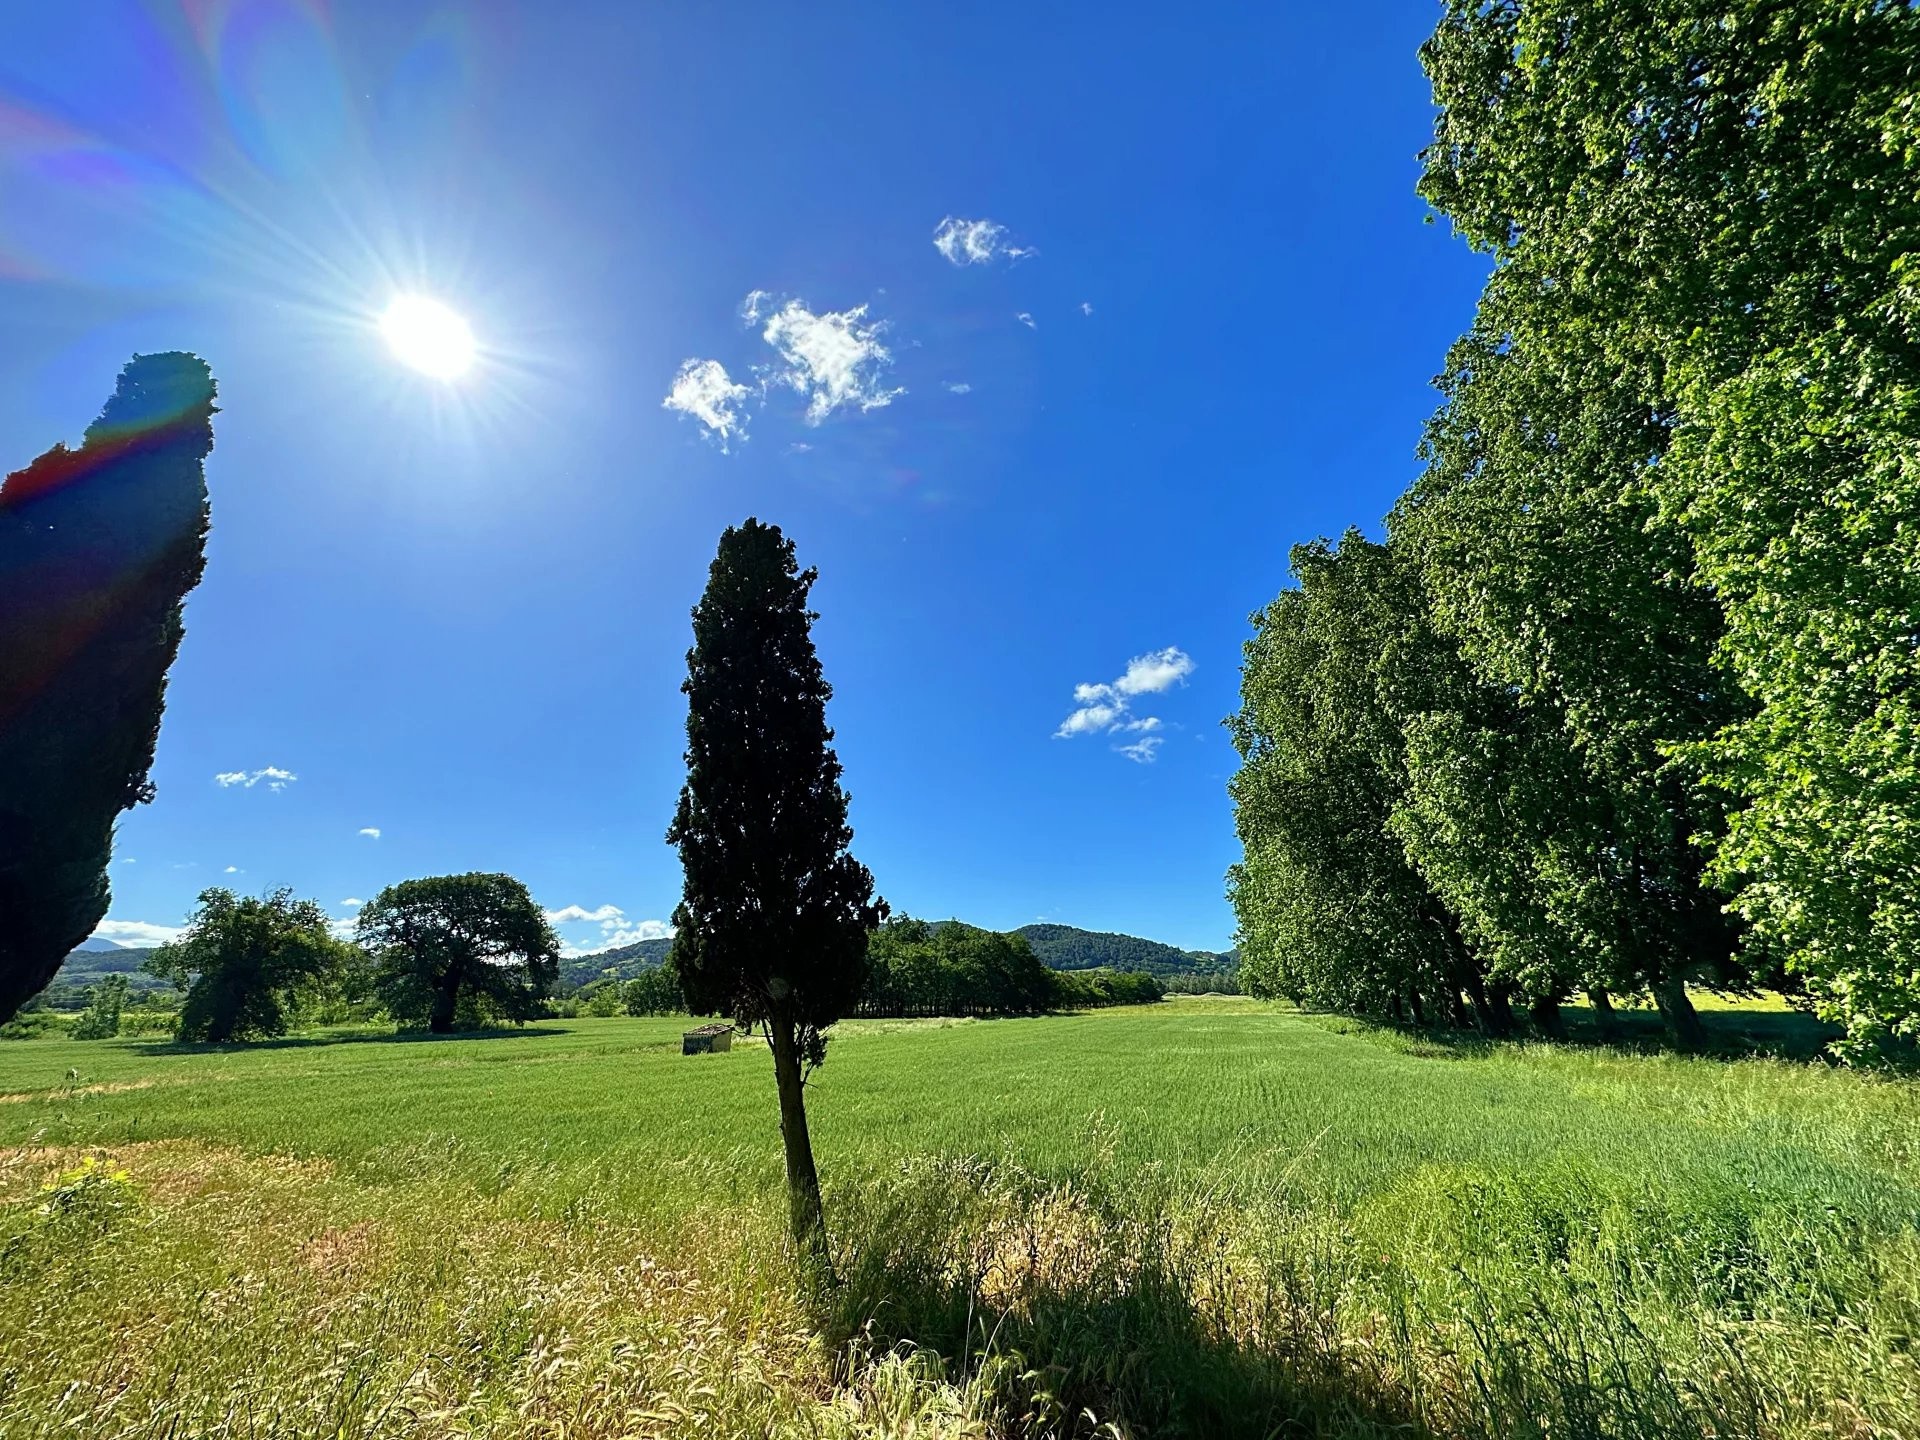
{"points": [[1077, 1322], [1791, 1035], [324, 1040]]}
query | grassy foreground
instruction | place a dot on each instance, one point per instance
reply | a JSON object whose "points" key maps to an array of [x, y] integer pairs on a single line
{"points": [[1203, 1218]]}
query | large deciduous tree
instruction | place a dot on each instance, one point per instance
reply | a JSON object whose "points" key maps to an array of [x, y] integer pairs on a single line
{"points": [[243, 962], [774, 920], [454, 951], [98, 549]]}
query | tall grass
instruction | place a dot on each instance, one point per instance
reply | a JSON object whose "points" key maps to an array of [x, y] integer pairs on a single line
{"points": [[1207, 1218]]}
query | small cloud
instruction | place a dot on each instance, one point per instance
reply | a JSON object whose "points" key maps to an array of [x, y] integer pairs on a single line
{"points": [[704, 390], [136, 933], [372, 832], [957, 387], [232, 870], [1027, 320], [836, 360], [568, 914], [274, 777], [976, 242], [799, 447], [1105, 707], [352, 903], [128, 860], [615, 929], [1086, 307]]}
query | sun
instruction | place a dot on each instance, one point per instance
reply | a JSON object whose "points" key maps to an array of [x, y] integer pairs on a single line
{"points": [[428, 336]]}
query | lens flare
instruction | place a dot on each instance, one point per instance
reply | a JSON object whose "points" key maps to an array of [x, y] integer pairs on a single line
{"points": [[428, 336]]}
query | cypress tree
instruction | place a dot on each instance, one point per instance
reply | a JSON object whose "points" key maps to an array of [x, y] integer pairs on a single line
{"points": [[98, 549], [775, 916]]}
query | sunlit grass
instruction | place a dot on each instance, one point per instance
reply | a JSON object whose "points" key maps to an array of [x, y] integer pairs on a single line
{"points": [[1211, 1216]]}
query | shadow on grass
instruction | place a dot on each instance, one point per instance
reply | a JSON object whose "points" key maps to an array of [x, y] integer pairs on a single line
{"points": [[1076, 1318], [1731, 1035], [369, 1037]]}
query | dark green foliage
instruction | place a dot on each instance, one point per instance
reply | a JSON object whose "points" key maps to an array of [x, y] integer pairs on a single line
{"points": [[1092, 989], [98, 548], [102, 1019], [654, 992], [460, 951], [623, 962], [954, 969], [1064, 947], [244, 963], [774, 918]]}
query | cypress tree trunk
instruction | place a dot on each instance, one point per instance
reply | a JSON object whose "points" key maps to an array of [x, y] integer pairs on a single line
{"points": [[803, 1182], [1683, 1021]]}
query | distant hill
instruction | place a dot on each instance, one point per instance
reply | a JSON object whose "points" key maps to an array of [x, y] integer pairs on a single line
{"points": [[93, 962], [1064, 947], [624, 961]]}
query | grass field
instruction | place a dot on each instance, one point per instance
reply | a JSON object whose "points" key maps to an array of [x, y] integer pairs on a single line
{"points": [[1205, 1217]]}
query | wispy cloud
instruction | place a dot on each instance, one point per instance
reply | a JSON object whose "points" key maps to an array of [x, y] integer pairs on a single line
{"points": [[136, 933], [704, 390], [352, 902], [836, 360], [272, 776], [568, 914], [957, 387], [976, 242], [1106, 707], [372, 832], [1027, 320], [1086, 307]]}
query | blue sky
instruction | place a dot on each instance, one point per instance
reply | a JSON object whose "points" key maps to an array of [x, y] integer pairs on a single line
{"points": [[1047, 458]]}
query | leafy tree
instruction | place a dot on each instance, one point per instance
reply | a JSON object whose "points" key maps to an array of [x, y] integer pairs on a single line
{"points": [[458, 951], [98, 548], [1331, 912], [1704, 223], [654, 992], [775, 915], [102, 1019], [952, 969], [243, 961]]}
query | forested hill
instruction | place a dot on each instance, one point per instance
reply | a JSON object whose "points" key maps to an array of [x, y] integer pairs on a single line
{"points": [[1063, 947], [623, 962]]}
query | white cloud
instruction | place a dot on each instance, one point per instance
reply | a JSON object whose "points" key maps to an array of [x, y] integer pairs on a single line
{"points": [[704, 390], [836, 360], [957, 387], [275, 778], [1106, 707], [568, 914], [1086, 307], [232, 870], [128, 860], [976, 242], [1027, 320], [136, 933], [372, 832], [1154, 672], [352, 903]]}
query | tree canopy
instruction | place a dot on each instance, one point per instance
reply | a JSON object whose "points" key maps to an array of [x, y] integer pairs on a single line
{"points": [[459, 951], [243, 961], [98, 548]]}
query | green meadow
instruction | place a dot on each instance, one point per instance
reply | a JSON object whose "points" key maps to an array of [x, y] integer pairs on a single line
{"points": [[1204, 1217]]}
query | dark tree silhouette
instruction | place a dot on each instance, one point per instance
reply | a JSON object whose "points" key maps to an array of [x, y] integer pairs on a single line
{"points": [[451, 941], [774, 920], [98, 548]]}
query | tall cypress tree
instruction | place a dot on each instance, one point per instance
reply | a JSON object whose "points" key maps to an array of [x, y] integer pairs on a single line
{"points": [[774, 921], [98, 549]]}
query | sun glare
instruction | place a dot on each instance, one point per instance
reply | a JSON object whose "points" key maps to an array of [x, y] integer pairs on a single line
{"points": [[428, 336]]}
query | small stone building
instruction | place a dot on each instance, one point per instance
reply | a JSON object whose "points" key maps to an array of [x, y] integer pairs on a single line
{"points": [[707, 1040]]}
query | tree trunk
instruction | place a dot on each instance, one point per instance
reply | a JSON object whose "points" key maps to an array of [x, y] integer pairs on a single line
{"points": [[1602, 1012], [1683, 1021], [1500, 1001], [446, 996], [1488, 1018], [803, 1182], [1545, 1014]]}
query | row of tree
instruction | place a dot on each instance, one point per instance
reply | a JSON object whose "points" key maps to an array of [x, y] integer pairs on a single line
{"points": [[1627, 698]]}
